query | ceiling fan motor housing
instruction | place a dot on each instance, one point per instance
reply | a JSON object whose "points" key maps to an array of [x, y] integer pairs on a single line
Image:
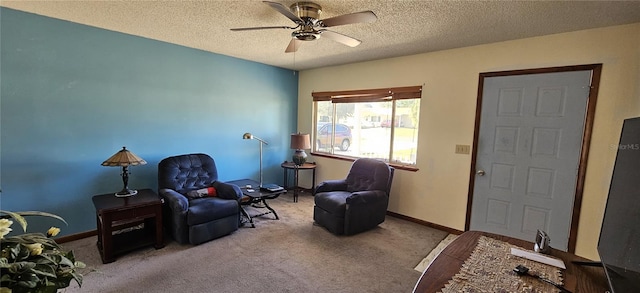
{"points": [[307, 11], [310, 13]]}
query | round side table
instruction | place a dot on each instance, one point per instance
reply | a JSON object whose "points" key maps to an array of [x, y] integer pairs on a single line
{"points": [[286, 166]]}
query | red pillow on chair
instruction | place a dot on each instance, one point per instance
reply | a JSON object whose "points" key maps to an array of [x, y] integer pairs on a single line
{"points": [[204, 192]]}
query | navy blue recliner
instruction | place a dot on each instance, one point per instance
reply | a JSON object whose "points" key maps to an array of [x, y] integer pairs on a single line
{"points": [[357, 203], [192, 219]]}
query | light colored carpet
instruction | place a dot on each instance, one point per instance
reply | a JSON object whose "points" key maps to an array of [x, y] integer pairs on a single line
{"points": [[287, 255], [424, 264]]}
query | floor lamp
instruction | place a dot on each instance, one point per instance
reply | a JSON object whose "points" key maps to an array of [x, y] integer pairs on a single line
{"points": [[250, 136]]}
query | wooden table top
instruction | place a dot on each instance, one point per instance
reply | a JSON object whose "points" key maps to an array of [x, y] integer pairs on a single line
{"points": [[292, 165], [576, 278], [109, 201]]}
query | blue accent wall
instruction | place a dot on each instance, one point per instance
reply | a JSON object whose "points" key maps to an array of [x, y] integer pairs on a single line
{"points": [[72, 95]]}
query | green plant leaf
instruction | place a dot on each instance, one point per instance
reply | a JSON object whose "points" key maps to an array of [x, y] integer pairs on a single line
{"points": [[29, 280], [6, 278], [16, 216], [65, 262], [78, 277], [47, 289], [21, 267], [43, 214], [19, 217], [51, 269]]}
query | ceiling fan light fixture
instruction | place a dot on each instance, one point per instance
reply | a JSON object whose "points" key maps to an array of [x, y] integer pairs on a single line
{"points": [[306, 35]]}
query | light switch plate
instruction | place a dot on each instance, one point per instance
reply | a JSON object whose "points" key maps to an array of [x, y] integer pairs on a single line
{"points": [[463, 149]]}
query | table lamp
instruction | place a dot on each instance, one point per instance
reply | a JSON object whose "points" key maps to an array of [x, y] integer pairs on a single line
{"points": [[250, 136], [124, 158], [299, 142]]}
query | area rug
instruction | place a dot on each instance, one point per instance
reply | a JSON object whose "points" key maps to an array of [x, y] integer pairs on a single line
{"points": [[424, 264], [490, 269]]}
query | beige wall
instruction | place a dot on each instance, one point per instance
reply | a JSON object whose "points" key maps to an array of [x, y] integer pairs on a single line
{"points": [[437, 193]]}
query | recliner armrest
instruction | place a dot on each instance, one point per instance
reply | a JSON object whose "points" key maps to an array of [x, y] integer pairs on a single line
{"points": [[227, 191], [365, 210], [367, 197], [176, 201], [331, 185]]}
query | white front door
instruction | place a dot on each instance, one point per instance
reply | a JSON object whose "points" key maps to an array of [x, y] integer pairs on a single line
{"points": [[528, 153]]}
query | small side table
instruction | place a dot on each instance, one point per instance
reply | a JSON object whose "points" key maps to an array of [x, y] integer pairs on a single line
{"points": [[123, 214], [286, 166], [256, 198]]}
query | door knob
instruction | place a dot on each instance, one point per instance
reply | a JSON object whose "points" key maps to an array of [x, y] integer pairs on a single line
{"points": [[480, 172]]}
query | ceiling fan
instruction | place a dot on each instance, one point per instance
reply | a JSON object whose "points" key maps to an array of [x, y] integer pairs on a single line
{"points": [[309, 26]]}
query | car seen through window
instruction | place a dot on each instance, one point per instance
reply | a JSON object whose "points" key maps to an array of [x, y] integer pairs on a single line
{"points": [[342, 136]]}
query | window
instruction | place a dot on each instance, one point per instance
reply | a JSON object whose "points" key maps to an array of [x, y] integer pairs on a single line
{"points": [[377, 123]]}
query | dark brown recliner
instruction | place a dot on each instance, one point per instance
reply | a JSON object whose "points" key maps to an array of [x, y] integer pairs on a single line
{"points": [[357, 203]]}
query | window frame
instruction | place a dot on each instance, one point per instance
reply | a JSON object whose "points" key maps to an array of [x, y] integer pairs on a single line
{"points": [[363, 96]]}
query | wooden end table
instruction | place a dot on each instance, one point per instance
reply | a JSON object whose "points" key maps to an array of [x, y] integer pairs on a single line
{"points": [[122, 215], [286, 166]]}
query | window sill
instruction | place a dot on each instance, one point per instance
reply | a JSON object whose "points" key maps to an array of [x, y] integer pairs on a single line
{"points": [[351, 159]]}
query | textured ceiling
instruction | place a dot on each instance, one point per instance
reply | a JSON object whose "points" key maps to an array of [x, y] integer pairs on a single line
{"points": [[403, 27]]}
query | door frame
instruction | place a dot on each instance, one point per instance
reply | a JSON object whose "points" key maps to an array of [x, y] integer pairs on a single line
{"points": [[596, 70]]}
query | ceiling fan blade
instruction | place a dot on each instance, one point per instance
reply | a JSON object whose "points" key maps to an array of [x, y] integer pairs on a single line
{"points": [[340, 38], [261, 28], [293, 45], [284, 11], [357, 17]]}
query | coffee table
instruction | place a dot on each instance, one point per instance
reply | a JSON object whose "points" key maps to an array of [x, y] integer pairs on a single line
{"points": [[256, 198]]}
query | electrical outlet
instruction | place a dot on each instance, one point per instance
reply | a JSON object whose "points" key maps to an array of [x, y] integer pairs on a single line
{"points": [[463, 149]]}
